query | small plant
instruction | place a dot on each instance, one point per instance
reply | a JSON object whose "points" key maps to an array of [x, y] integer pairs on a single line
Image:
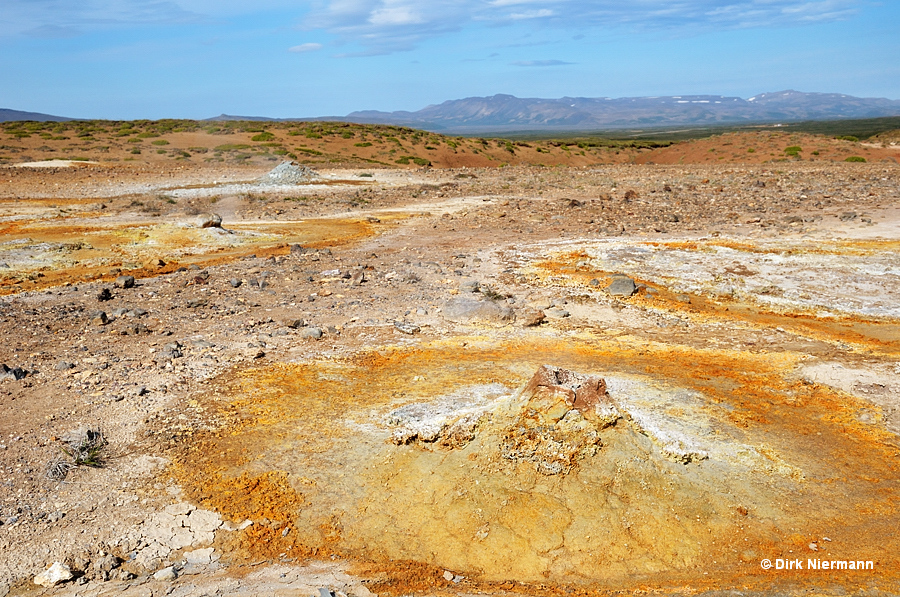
{"points": [[365, 175], [263, 136], [793, 150], [160, 142], [855, 158], [751, 150], [83, 449], [848, 138], [363, 144]]}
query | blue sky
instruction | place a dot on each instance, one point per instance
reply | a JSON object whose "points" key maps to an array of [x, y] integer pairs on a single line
{"points": [[126, 59]]}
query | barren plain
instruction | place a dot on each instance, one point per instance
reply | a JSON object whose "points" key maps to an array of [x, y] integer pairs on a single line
{"points": [[382, 361]]}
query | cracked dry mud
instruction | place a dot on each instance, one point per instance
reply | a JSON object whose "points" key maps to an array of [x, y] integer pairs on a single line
{"points": [[334, 392]]}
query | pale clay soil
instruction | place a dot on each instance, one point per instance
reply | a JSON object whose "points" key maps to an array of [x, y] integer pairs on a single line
{"points": [[789, 272]]}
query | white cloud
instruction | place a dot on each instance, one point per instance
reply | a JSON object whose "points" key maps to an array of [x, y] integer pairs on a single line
{"points": [[532, 14], [383, 26], [308, 47]]}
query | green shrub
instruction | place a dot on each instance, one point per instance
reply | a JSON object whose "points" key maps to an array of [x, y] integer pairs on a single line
{"points": [[855, 158], [146, 135], [363, 144], [134, 140], [263, 136], [161, 142], [793, 150], [751, 150], [848, 138], [231, 147]]}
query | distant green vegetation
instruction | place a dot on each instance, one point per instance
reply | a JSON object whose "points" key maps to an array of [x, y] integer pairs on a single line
{"points": [[263, 136], [793, 150], [855, 158]]}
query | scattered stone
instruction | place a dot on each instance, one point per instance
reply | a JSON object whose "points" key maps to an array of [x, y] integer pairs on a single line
{"points": [[469, 286], [622, 286], [100, 318], [125, 282], [55, 516], [235, 283], [64, 366], [55, 574], [448, 576], [104, 295], [311, 332], [683, 298], [295, 323], [357, 278], [530, 317], [166, 574], [15, 373], [406, 328], [848, 216], [209, 221], [556, 313]]}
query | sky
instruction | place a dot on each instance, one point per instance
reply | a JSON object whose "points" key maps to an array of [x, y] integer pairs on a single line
{"points": [[131, 59]]}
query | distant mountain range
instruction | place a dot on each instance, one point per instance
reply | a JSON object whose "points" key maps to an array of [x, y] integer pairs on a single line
{"points": [[508, 113], [17, 115]]}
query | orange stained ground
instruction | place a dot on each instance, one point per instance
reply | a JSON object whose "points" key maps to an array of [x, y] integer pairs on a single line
{"points": [[281, 425], [127, 243], [872, 335]]}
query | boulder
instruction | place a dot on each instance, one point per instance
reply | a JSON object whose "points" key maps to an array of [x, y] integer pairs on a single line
{"points": [[209, 221], [55, 574], [622, 286]]}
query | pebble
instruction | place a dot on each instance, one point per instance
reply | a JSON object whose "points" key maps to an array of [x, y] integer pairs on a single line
{"points": [[14, 373], [209, 221], [311, 332], [100, 318], [469, 286], [622, 286], [165, 574], [235, 283], [530, 317], [406, 328], [55, 574], [125, 282]]}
